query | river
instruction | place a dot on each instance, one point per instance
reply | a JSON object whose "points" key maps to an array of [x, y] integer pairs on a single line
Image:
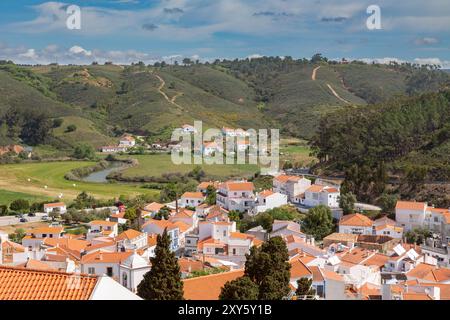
{"points": [[100, 176]]}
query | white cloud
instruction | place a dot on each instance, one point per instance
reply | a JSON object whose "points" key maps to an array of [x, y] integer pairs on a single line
{"points": [[425, 41], [255, 56], [77, 50]]}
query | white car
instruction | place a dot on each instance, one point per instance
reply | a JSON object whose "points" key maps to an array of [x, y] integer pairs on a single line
{"points": [[44, 218]]}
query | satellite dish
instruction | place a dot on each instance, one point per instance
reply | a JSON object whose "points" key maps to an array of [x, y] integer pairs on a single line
{"points": [[29, 179], [74, 185], [45, 187]]}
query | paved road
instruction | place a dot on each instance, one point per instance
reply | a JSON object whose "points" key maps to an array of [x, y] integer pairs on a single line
{"points": [[11, 220]]}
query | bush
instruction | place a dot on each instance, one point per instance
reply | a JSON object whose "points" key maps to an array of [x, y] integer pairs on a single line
{"points": [[71, 128]]}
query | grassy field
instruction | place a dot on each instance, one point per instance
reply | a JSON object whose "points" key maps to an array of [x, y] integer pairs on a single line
{"points": [[156, 165], [26, 226], [15, 177], [295, 151], [6, 197]]}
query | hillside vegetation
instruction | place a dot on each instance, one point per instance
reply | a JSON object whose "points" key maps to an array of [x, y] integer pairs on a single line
{"points": [[104, 101]]}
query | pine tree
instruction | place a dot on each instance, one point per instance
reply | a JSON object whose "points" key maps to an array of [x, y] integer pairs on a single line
{"points": [[163, 281], [240, 289], [304, 287], [269, 269]]}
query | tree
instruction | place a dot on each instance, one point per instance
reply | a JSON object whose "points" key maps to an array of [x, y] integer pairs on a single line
{"points": [[347, 202], [242, 288], [304, 287], [268, 267], [84, 151], [187, 61], [55, 214], [83, 200], [57, 122], [3, 210], [163, 213], [388, 202], [20, 205], [318, 222], [417, 236], [18, 235], [71, 128], [163, 281], [265, 220], [67, 217], [211, 193], [37, 207], [131, 214]]}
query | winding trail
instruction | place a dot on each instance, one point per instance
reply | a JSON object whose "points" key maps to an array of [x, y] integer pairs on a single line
{"points": [[169, 100], [333, 92], [337, 95], [314, 73]]}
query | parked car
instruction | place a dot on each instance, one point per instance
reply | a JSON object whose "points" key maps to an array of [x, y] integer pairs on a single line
{"points": [[45, 218], [23, 220]]}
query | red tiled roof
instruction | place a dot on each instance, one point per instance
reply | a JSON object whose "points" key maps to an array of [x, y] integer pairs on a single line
{"points": [[410, 205], [25, 284], [356, 219], [208, 287]]}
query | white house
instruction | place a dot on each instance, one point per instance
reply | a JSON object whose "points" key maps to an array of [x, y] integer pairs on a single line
{"points": [[292, 186], [411, 215], [127, 268], [127, 141], [236, 195], [58, 206], [221, 239], [322, 195], [356, 224], [192, 199], [101, 228], [188, 129], [132, 239], [186, 216], [153, 226], [35, 237], [210, 148], [267, 200], [387, 227]]}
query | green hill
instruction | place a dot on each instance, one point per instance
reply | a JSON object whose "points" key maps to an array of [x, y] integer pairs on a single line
{"points": [[105, 100]]}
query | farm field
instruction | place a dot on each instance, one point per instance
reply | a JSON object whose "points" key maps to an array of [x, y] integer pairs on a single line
{"points": [[6, 197], [295, 151], [14, 177], [156, 165]]}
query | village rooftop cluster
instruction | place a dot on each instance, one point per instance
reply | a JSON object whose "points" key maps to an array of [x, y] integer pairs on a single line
{"points": [[363, 259]]}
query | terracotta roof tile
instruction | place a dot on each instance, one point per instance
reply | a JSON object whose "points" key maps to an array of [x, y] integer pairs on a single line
{"points": [[356, 219], [208, 287], [24, 284], [410, 205]]}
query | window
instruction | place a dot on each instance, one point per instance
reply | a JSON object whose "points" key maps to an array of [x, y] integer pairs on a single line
{"points": [[91, 270], [109, 271], [234, 251], [225, 233], [124, 280]]}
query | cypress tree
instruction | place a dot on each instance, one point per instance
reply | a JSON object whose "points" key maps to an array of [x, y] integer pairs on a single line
{"points": [[240, 289], [163, 281], [269, 269]]}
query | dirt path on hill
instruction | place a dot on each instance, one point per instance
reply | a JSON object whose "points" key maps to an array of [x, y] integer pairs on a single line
{"points": [[314, 73], [333, 92], [336, 94], [169, 100]]}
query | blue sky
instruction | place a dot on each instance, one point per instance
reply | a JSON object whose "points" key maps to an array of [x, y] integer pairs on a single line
{"points": [[124, 31]]}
